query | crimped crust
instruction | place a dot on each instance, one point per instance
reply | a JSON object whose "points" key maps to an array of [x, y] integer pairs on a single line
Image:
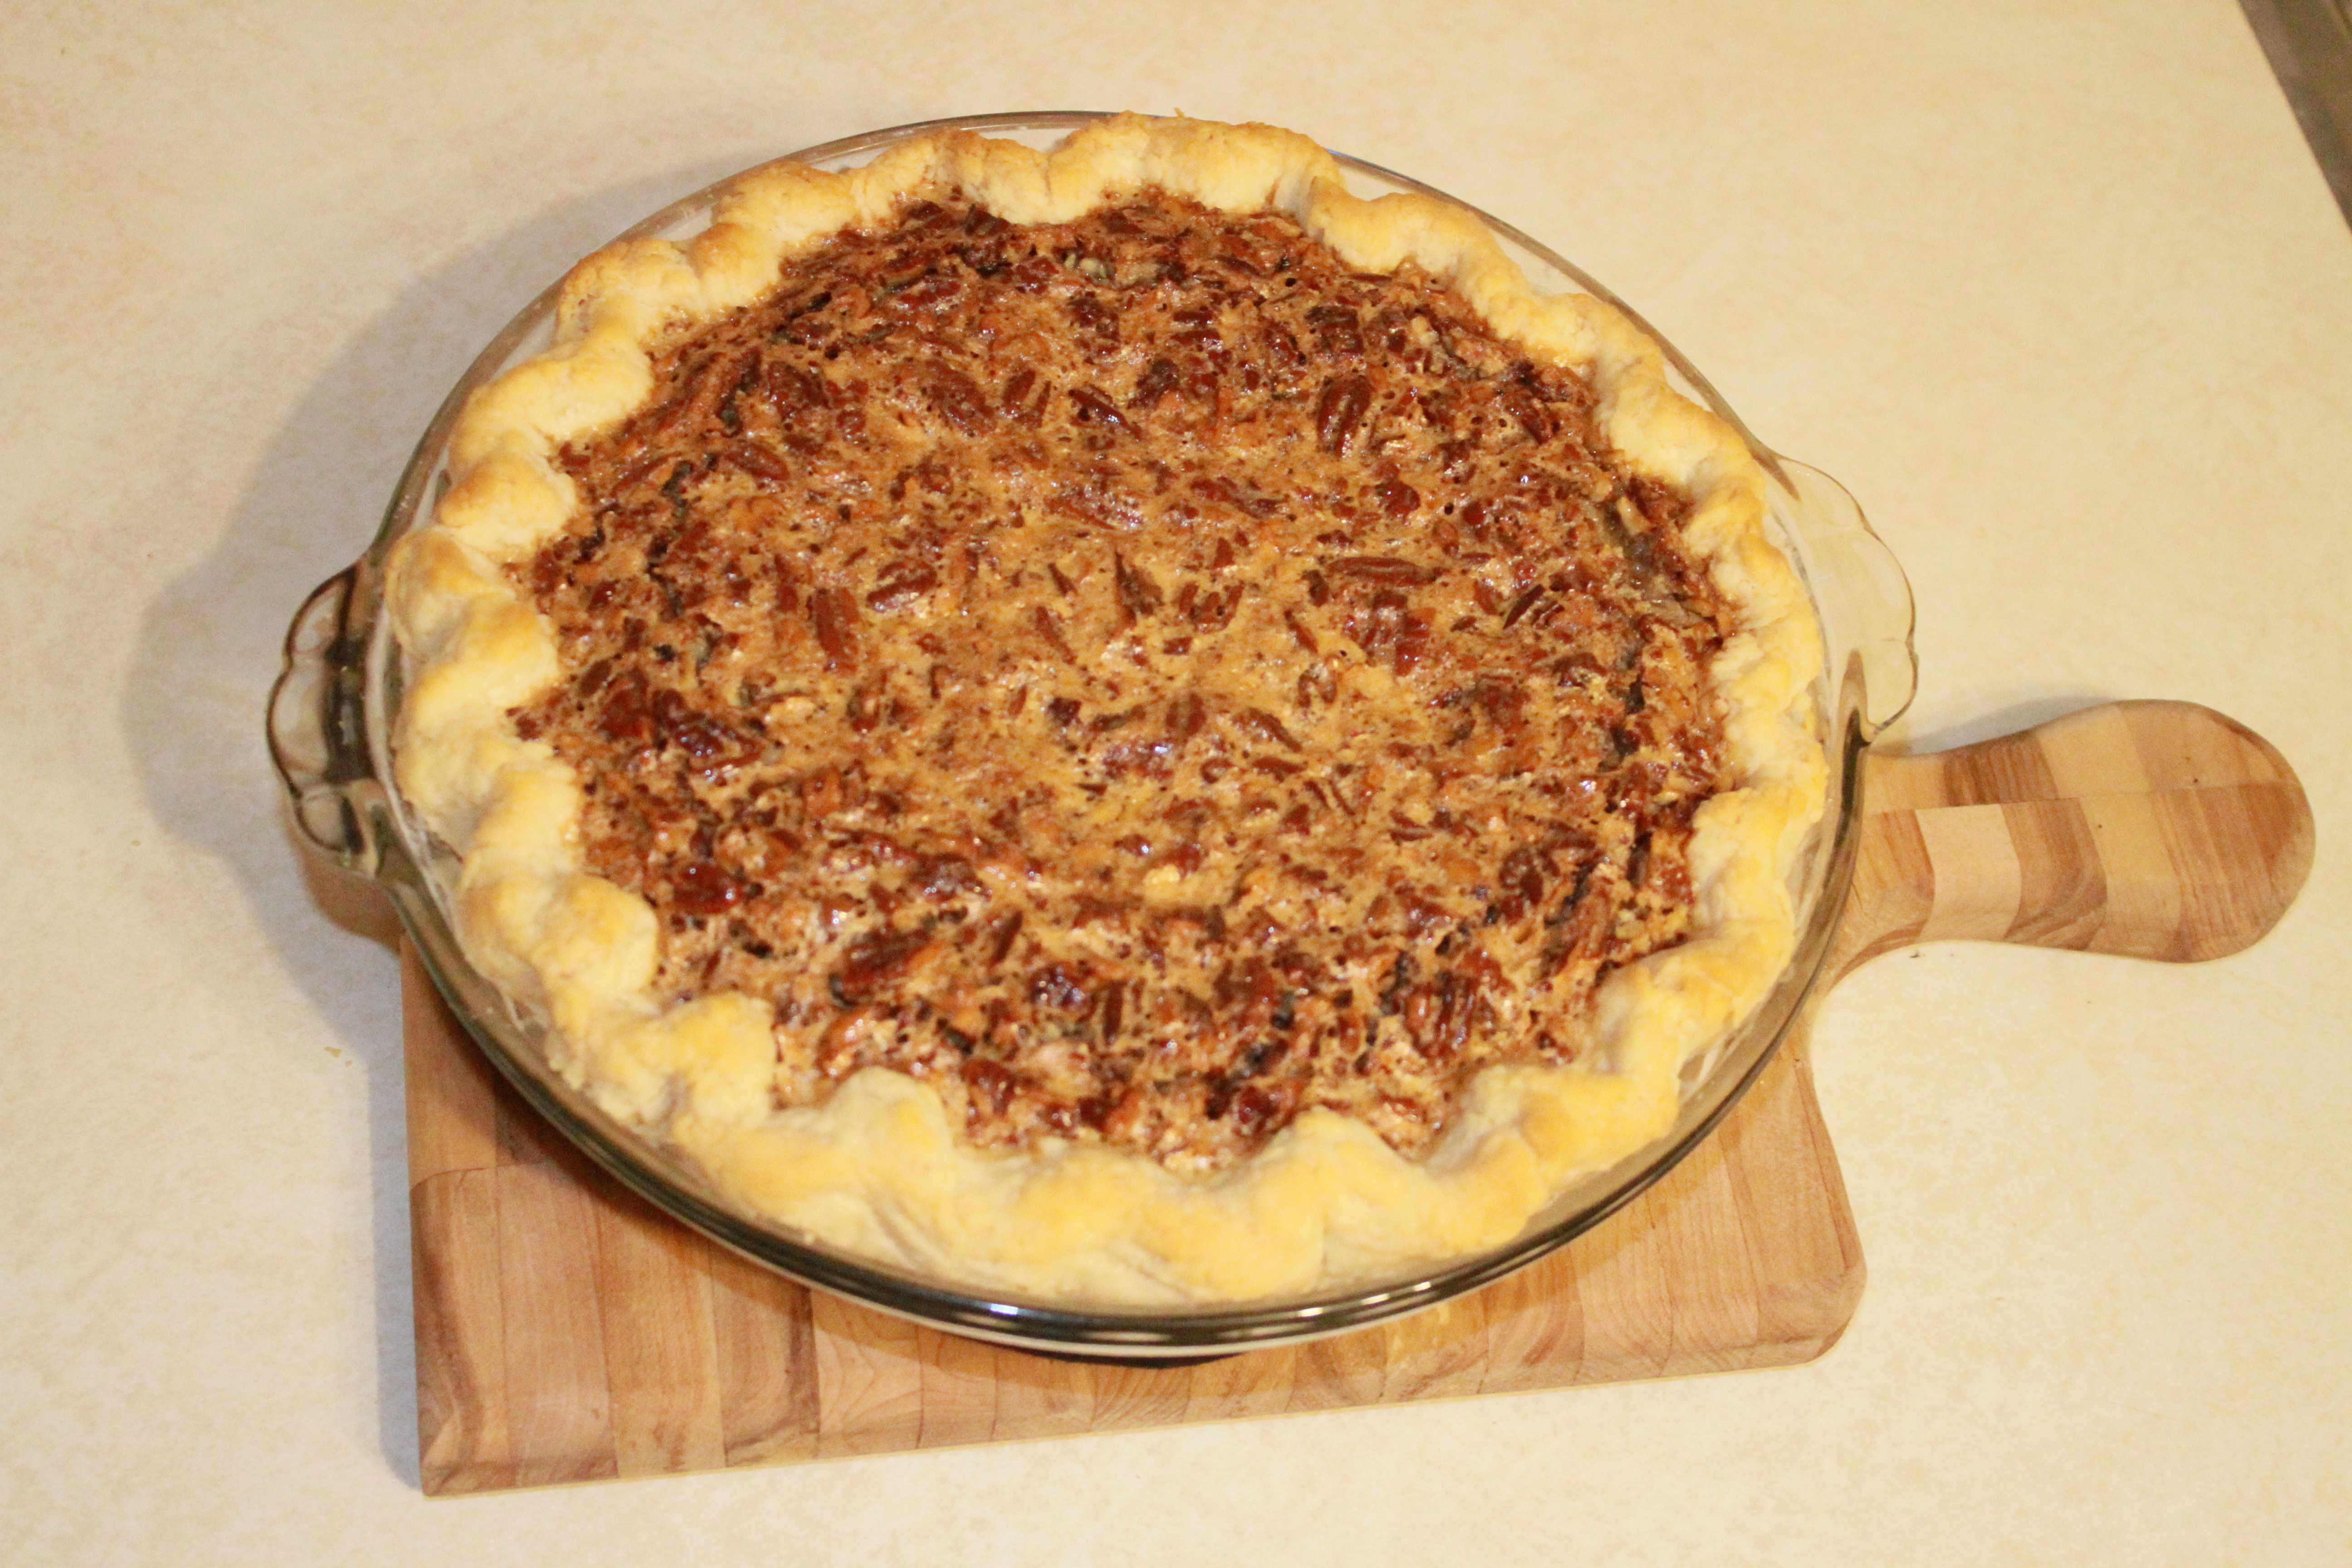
{"points": [[881, 1167]]}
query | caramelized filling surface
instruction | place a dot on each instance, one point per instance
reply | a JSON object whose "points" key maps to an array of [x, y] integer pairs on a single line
{"points": [[1136, 675]]}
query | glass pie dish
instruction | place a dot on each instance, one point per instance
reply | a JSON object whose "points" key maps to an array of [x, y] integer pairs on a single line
{"points": [[333, 713]]}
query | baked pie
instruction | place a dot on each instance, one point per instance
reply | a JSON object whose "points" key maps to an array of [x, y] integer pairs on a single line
{"points": [[1117, 725]]}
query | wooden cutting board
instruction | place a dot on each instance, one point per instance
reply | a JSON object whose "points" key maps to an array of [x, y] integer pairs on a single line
{"points": [[565, 1331]]}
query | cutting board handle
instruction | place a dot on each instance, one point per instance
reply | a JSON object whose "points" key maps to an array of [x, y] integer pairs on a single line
{"points": [[2151, 829]]}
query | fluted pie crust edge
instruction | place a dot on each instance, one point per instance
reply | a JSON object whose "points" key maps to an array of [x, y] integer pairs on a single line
{"points": [[879, 1169]]}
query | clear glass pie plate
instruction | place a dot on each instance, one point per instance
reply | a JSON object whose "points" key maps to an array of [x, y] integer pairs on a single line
{"points": [[332, 720]]}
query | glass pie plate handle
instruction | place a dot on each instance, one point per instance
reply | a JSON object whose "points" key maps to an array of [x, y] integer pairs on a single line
{"points": [[318, 726], [1858, 589]]}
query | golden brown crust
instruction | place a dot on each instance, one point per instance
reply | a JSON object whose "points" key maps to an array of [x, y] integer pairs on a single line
{"points": [[880, 1166]]}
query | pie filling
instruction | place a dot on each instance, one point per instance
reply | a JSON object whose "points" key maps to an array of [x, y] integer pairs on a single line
{"points": [[1136, 675]]}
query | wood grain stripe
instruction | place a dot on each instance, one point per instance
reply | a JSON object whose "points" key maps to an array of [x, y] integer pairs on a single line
{"points": [[2174, 755], [1623, 1280], [869, 1380], [1801, 1250], [2096, 752], [1129, 1397], [1978, 884], [2014, 767], [558, 1387], [2062, 887], [1042, 1396], [1893, 891], [1701, 1230], [959, 1389], [1535, 1328], [763, 1351], [1257, 1384], [1335, 1374], [653, 1284], [1437, 1354], [461, 1373], [525, 1138], [2247, 829], [2144, 902], [1893, 783]]}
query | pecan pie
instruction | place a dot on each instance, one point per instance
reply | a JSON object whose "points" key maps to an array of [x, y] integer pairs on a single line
{"points": [[1120, 724]]}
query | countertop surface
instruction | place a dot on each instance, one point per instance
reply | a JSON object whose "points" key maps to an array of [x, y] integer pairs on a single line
{"points": [[2056, 290]]}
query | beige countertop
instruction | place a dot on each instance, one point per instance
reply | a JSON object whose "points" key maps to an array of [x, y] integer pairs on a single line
{"points": [[2056, 290]]}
